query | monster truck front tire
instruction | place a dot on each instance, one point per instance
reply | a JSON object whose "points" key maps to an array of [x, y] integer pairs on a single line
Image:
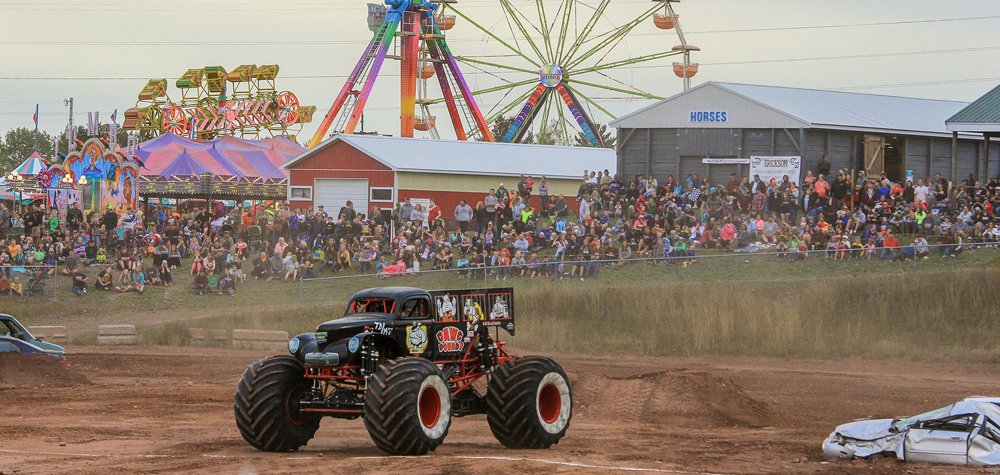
{"points": [[408, 406], [529, 403], [266, 405]]}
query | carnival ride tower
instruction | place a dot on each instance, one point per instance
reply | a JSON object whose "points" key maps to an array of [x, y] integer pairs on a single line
{"points": [[422, 48]]}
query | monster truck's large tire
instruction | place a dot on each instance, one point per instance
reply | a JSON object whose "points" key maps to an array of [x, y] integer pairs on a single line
{"points": [[408, 406], [529, 403], [266, 405]]}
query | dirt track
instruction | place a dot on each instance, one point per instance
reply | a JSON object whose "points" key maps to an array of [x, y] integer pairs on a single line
{"points": [[170, 410]]}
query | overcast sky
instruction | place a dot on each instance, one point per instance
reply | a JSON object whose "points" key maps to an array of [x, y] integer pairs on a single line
{"points": [[943, 50]]}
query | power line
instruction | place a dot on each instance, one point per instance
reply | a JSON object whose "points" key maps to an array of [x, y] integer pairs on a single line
{"points": [[728, 63], [344, 42], [923, 83]]}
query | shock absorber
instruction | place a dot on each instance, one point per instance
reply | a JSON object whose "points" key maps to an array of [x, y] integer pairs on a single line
{"points": [[369, 359], [487, 352]]}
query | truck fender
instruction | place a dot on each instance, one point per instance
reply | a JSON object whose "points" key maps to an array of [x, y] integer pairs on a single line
{"points": [[307, 343]]}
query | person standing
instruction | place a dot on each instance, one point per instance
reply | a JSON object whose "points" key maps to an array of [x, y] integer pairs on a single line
{"points": [[463, 214], [110, 221], [405, 210], [543, 192], [74, 217], [490, 201]]}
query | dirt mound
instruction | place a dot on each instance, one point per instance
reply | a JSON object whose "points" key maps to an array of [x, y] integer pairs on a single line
{"points": [[671, 397], [36, 370]]}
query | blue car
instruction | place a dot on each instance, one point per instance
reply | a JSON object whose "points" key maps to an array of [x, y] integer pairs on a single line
{"points": [[14, 338]]}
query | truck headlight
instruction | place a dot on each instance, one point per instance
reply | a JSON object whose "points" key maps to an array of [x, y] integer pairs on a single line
{"points": [[293, 345]]}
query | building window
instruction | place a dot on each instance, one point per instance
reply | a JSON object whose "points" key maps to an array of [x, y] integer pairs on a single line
{"points": [[381, 194], [300, 193]]}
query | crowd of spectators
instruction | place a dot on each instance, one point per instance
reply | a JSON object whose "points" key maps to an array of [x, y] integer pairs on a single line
{"points": [[502, 235]]}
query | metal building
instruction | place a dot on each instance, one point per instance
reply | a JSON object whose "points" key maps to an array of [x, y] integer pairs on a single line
{"points": [[715, 120]]}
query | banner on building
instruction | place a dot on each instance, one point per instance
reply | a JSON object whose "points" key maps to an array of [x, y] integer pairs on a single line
{"points": [[725, 161], [776, 168]]}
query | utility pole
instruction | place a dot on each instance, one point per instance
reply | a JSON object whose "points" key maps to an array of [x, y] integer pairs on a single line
{"points": [[71, 132]]}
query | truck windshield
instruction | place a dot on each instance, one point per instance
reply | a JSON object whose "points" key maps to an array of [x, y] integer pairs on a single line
{"points": [[372, 305]]}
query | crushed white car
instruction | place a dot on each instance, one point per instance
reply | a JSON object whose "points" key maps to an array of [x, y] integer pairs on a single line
{"points": [[964, 433]]}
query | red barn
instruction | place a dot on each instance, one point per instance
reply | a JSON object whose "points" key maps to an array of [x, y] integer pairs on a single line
{"points": [[377, 172]]}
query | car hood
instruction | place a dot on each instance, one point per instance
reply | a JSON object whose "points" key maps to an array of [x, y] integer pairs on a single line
{"points": [[354, 321], [872, 429]]}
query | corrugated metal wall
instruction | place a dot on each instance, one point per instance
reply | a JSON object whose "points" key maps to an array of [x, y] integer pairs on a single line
{"points": [[679, 152]]}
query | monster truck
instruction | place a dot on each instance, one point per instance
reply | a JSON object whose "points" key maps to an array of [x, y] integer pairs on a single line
{"points": [[406, 360]]}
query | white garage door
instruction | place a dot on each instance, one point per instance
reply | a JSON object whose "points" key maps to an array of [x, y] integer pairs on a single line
{"points": [[334, 194]]}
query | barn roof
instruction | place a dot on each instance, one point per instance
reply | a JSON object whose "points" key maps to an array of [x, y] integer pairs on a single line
{"points": [[829, 109], [983, 115], [474, 158]]}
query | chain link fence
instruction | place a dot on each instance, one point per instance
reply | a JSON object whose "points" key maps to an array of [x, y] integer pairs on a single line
{"points": [[31, 282], [321, 289]]}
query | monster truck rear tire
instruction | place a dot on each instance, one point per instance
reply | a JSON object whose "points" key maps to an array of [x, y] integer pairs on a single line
{"points": [[408, 406], [266, 405], [529, 403]]}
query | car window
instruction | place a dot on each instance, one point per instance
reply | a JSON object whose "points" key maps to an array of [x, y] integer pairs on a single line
{"points": [[415, 308], [372, 305], [991, 431], [903, 424], [960, 423]]}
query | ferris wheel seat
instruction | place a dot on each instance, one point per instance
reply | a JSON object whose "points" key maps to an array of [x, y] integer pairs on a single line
{"points": [[424, 124], [446, 22], [665, 22], [685, 48]]}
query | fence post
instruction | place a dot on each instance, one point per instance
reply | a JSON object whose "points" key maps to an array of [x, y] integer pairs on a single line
{"points": [[302, 283], [644, 278]]}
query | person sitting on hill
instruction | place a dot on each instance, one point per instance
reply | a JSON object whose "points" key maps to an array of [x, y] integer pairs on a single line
{"points": [[106, 279], [166, 275], [200, 283], [79, 281], [227, 284]]}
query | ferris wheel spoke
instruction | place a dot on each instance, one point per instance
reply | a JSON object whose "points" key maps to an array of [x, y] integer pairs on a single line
{"points": [[563, 28], [513, 14], [468, 60], [562, 125], [632, 92], [504, 87], [543, 20], [495, 37], [546, 112], [587, 29], [627, 62], [590, 101], [621, 32], [519, 100], [488, 90]]}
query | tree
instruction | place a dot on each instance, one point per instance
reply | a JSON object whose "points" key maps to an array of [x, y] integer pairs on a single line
{"points": [[609, 140], [19, 143]]}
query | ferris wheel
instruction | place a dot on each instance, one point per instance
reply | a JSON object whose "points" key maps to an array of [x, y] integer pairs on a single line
{"points": [[556, 55]]}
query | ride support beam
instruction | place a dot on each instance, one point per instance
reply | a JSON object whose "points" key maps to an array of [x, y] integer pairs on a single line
{"points": [[463, 87], [586, 125], [345, 91], [393, 20], [408, 72], [449, 96], [523, 119]]}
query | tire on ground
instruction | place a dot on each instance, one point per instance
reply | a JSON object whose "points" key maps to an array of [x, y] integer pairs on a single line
{"points": [[529, 403], [408, 406], [266, 405]]}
